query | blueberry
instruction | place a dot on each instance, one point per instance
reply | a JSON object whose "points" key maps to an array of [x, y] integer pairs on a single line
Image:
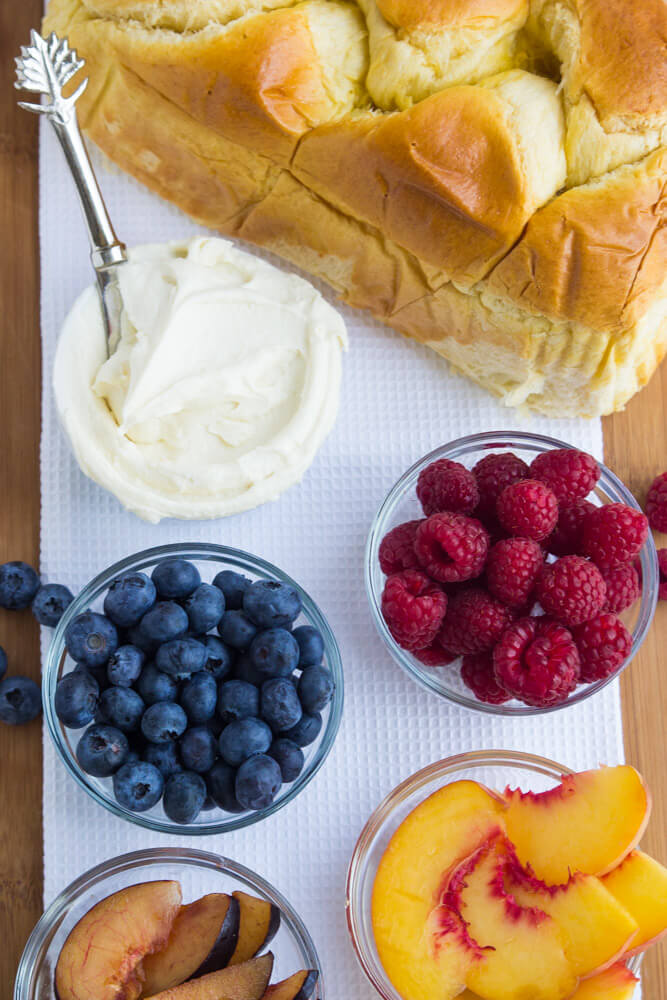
{"points": [[245, 670], [124, 667], [3, 663], [274, 653], [258, 781], [175, 579], [18, 585], [236, 630], [163, 722], [237, 700], [91, 638], [102, 750], [138, 786], [199, 749], [163, 756], [122, 708], [220, 783], [233, 586], [180, 658], [199, 697], [279, 703], [219, 657], [184, 796], [50, 603], [154, 686], [165, 621], [289, 757], [316, 688], [311, 646], [204, 608], [99, 672], [129, 598], [240, 740], [306, 730], [270, 604], [20, 700], [76, 699]]}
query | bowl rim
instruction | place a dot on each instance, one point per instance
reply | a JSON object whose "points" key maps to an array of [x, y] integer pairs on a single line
{"points": [[44, 929], [447, 768], [211, 552], [612, 487]]}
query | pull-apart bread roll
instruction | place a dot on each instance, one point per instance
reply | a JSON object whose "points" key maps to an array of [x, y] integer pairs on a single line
{"points": [[487, 176]]}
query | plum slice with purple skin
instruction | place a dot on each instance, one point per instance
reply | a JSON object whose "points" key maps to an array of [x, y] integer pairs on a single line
{"points": [[247, 981], [259, 921], [300, 986]]}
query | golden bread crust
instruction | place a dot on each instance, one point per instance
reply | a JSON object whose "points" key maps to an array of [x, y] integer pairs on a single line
{"points": [[448, 13]]}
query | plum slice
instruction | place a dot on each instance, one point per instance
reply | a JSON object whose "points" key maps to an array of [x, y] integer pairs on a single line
{"points": [[202, 940], [247, 981], [298, 987], [259, 921], [102, 957]]}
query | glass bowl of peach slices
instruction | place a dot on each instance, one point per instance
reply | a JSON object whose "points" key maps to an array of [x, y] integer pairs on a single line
{"points": [[169, 924], [502, 876]]}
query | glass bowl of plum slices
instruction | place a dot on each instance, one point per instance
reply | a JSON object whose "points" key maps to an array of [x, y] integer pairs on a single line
{"points": [[511, 573]]}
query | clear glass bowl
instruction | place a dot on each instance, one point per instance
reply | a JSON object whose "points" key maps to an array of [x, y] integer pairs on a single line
{"points": [[209, 559], [494, 768], [401, 505], [198, 872]]}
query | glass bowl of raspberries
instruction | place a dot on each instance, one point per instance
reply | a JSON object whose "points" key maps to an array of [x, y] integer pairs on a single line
{"points": [[193, 689], [511, 573]]}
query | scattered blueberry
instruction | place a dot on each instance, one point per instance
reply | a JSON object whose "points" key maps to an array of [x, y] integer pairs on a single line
{"points": [[316, 688], [181, 657], [280, 707], [184, 796], [20, 700], [204, 608], [50, 603], [270, 604], [165, 621], [18, 585], [3, 663], [233, 586], [122, 707], [274, 653], [236, 630], [199, 749], [240, 740], [138, 786], [219, 660], [258, 781], [306, 730], [175, 579], [311, 646], [220, 783], [237, 700], [199, 697], [154, 686], [163, 722], [129, 598], [91, 638], [163, 756], [76, 699], [289, 757], [124, 667], [245, 670], [102, 750]]}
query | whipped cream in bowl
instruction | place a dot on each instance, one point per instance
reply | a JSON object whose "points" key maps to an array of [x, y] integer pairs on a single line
{"points": [[223, 386]]}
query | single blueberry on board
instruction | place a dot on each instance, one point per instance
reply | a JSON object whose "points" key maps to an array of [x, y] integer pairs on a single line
{"points": [[219, 658], [181, 657], [204, 608], [199, 697], [76, 699], [270, 604], [3, 663], [102, 750], [91, 638], [279, 704], [306, 730], [20, 700], [258, 781], [316, 688], [236, 630], [274, 653], [240, 740], [220, 783], [154, 686], [124, 667], [237, 700], [129, 598], [233, 586], [138, 786], [164, 756], [199, 749], [165, 621], [122, 707], [163, 722], [175, 579], [184, 796], [311, 646], [289, 757], [50, 603], [18, 585]]}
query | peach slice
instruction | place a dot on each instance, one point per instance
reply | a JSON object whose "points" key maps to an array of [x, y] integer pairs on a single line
{"points": [[297, 987], [435, 837], [202, 940], [640, 884], [102, 956], [615, 983], [259, 921], [247, 981], [588, 823]]}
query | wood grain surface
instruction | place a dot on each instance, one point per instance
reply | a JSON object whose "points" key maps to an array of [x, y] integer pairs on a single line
{"points": [[636, 448]]}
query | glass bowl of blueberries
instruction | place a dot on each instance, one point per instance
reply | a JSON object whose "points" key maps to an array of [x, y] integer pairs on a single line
{"points": [[193, 689]]}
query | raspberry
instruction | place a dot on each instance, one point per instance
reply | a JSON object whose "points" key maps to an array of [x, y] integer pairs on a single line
{"points": [[571, 590], [656, 503], [565, 539], [528, 509], [477, 674], [447, 485], [614, 534], [569, 474], [413, 608], [662, 569], [474, 622], [623, 588], [434, 655], [537, 661], [493, 473], [603, 643], [451, 547], [397, 548], [512, 569]]}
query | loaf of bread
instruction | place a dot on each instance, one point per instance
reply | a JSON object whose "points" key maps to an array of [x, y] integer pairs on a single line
{"points": [[486, 176]]}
